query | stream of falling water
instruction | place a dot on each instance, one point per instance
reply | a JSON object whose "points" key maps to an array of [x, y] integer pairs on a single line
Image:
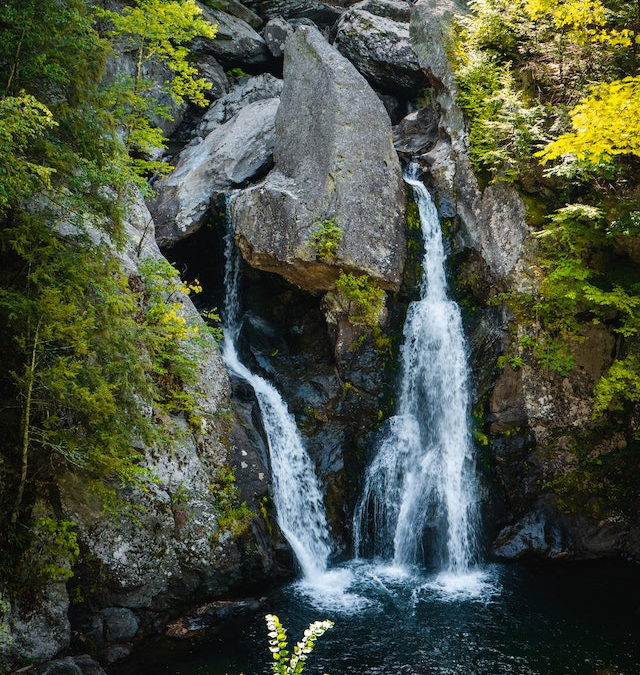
{"points": [[296, 490], [419, 504]]}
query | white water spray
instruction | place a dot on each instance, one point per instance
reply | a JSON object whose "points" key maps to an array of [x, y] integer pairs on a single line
{"points": [[296, 490], [421, 483]]}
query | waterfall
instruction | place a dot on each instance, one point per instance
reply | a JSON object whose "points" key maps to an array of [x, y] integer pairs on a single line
{"points": [[419, 503], [296, 490]]}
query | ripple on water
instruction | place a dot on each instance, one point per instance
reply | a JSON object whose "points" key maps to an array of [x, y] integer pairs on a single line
{"points": [[475, 584]]}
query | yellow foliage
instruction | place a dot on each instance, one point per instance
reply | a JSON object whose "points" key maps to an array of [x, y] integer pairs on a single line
{"points": [[605, 123], [578, 16]]}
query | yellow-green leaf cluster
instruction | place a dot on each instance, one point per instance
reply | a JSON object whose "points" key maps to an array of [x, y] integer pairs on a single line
{"points": [[606, 123], [580, 17], [22, 119]]}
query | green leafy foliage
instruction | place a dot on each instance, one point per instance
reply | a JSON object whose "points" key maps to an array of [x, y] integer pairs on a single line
{"points": [[600, 484], [93, 356], [169, 336], [52, 107], [572, 64], [52, 553], [155, 31], [68, 320], [22, 119], [504, 128], [621, 384], [234, 516], [605, 123], [365, 299], [284, 661], [326, 239]]}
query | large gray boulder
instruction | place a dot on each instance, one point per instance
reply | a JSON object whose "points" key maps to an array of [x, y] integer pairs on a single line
{"points": [[334, 160], [39, 629], [230, 155], [239, 10], [323, 14], [275, 34], [236, 44], [247, 90], [374, 36]]}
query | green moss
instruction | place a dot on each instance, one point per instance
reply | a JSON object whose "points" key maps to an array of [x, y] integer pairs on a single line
{"points": [[265, 506], [413, 217]]}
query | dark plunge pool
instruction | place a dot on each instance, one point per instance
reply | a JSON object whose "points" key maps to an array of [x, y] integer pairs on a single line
{"points": [[570, 619]]}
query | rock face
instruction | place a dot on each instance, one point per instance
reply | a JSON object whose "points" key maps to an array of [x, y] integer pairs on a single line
{"points": [[374, 36], [322, 14], [538, 422], [174, 546], [233, 142], [334, 160], [168, 544], [237, 44], [493, 219], [231, 154]]}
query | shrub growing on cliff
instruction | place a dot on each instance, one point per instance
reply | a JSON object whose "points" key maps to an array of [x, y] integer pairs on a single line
{"points": [[326, 239], [365, 299], [156, 31]]}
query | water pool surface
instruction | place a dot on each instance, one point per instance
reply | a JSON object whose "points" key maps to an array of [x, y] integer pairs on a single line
{"points": [[569, 619]]}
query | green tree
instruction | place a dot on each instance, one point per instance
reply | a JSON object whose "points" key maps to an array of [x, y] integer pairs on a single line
{"points": [[22, 119], [155, 31], [92, 355]]}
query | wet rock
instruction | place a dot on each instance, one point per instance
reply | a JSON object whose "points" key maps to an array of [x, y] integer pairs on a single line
{"points": [[417, 132], [115, 653], [87, 665], [40, 627], [506, 404], [374, 36], [69, 665], [119, 623], [230, 155], [533, 536], [333, 160], [66, 666]]}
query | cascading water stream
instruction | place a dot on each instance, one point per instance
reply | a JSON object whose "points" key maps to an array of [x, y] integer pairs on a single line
{"points": [[296, 491], [421, 484]]}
